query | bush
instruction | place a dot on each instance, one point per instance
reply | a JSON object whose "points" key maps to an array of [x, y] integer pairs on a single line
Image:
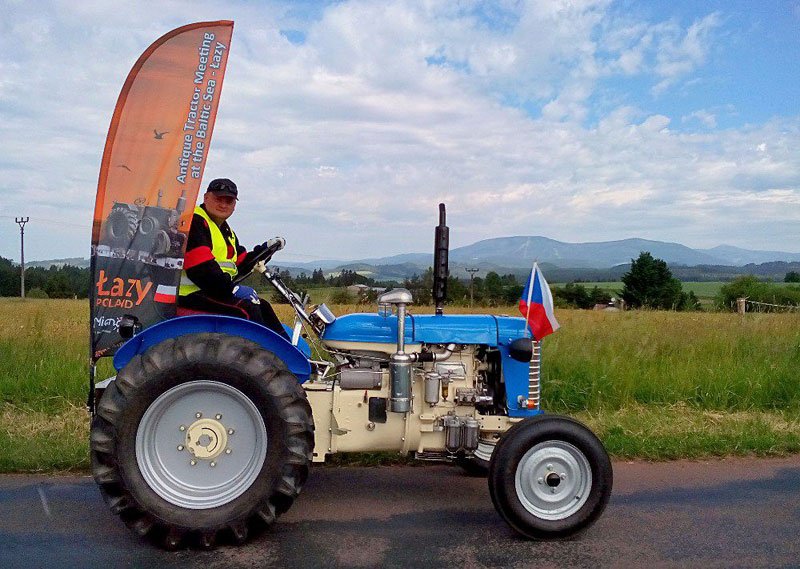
{"points": [[36, 293], [752, 289], [341, 296]]}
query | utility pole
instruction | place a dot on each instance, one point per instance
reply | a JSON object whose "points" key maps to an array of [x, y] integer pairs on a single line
{"points": [[471, 281], [21, 221]]}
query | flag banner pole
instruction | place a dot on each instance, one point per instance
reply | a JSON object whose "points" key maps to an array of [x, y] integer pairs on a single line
{"points": [[530, 294], [150, 175]]}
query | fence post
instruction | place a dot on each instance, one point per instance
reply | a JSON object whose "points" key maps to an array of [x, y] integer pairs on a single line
{"points": [[741, 305]]}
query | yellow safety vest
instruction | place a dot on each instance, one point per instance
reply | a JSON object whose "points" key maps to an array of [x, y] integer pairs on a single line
{"points": [[219, 248]]}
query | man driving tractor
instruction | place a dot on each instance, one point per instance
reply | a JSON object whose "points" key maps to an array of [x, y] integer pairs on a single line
{"points": [[214, 257]]}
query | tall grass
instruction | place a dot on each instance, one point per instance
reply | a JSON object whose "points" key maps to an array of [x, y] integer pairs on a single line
{"points": [[653, 384], [44, 353], [598, 360], [718, 361]]}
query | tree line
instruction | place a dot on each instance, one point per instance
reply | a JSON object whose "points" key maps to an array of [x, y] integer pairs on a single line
{"points": [[66, 281], [648, 284]]}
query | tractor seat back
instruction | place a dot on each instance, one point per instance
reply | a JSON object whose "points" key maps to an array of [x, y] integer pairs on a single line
{"points": [[183, 311]]}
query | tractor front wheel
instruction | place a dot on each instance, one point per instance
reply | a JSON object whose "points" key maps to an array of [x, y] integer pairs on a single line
{"points": [[202, 437], [550, 477]]}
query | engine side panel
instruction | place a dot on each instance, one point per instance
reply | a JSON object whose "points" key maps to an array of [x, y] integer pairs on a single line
{"points": [[356, 331], [480, 380]]}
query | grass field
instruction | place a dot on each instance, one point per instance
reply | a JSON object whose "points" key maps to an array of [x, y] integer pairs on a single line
{"points": [[652, 384]]}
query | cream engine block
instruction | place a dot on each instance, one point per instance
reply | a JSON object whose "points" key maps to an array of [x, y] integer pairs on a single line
{"points": [[452, 403]]}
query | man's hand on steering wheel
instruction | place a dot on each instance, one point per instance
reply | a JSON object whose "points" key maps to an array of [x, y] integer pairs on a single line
{"points": [[263, 252]]}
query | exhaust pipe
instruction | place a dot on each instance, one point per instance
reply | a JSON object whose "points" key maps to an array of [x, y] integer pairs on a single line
{"points": [[440, 264]]}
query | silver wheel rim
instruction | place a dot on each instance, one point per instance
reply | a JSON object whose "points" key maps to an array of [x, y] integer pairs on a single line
{"points": [[201, 444], [553, 480]]}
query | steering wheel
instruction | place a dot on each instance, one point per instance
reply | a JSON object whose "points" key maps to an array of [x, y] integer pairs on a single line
{"points": [[273, 246]]}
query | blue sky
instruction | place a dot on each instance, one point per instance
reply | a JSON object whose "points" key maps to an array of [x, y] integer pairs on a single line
{"points": [[345, 123]]}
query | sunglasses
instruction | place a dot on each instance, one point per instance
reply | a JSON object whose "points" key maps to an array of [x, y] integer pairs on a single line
{"points": [[224, 199]]}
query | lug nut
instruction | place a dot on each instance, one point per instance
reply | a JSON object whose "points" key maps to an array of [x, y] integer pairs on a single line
{"points": [[193, 462], [213, 464], [540, 480], [198, 414], [180, 447], [218, 416], [227, 451], [182, 427], [230, 431]]}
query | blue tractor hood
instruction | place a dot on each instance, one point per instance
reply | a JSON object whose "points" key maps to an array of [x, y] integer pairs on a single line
{"points": [[427, 328]]}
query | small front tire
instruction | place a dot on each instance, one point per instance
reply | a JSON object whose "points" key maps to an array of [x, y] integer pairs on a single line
{"points": [[550, 477]]}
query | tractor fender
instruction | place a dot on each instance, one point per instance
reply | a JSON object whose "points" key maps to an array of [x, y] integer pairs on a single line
{"points": [[294, 359]]}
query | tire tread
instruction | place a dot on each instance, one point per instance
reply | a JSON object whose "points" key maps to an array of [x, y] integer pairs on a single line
{"points": [[249, 358]]}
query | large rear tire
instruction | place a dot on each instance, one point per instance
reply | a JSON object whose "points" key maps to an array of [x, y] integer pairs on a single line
{"points": [[550, 477], [202, 438]]}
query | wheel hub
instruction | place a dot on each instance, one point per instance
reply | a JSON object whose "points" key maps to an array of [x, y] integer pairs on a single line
{"points": [[206, 438], [553, 480], [191, 465]]}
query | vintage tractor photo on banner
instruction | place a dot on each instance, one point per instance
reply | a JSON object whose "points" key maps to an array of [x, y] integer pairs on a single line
{"points": [[210, 427]]}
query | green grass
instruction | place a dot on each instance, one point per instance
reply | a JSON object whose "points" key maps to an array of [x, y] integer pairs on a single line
{"points": [[710, 361], [682, 431], [652, 384]]}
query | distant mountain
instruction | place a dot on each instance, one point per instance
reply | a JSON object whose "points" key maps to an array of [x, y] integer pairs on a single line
{"points": [[74, 261], [564, 261], [522, 251], [739, 257]]}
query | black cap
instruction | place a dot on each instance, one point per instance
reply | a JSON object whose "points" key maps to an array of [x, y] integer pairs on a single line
{"points": [[223, 187]]}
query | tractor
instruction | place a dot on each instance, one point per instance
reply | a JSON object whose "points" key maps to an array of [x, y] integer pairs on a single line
{"points": [[210, 426]]}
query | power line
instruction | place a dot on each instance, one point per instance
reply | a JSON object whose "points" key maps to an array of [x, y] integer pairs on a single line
{"points": [[53, 221]]}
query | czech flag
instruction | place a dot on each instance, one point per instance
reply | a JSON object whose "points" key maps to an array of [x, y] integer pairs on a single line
{"points": [[536, 305]]}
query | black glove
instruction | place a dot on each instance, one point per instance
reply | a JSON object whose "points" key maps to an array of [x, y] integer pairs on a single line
{"points": [[248, 263], [257, 249]]}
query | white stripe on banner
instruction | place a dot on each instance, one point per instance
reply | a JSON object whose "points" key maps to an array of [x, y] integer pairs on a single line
{"points": [[165, 293]]}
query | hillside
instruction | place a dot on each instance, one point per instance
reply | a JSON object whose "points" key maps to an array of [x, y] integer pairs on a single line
{"points": [[563, 262]]}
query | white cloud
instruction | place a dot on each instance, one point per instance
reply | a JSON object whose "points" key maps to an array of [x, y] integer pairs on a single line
{"points": [[703, 116], [681, 53], [346, 141]]}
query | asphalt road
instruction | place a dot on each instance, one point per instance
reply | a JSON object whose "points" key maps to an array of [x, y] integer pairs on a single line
{"points": [[727, 513]]}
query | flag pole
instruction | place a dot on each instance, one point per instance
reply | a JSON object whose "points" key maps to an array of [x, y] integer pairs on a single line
{"points": [[530, 294]]}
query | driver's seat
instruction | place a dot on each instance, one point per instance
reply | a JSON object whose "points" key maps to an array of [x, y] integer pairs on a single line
{"points": [[183, 311]]}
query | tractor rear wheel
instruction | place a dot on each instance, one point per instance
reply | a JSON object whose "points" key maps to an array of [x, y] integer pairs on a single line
{"points": [[204, 437], [550, 477]]}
